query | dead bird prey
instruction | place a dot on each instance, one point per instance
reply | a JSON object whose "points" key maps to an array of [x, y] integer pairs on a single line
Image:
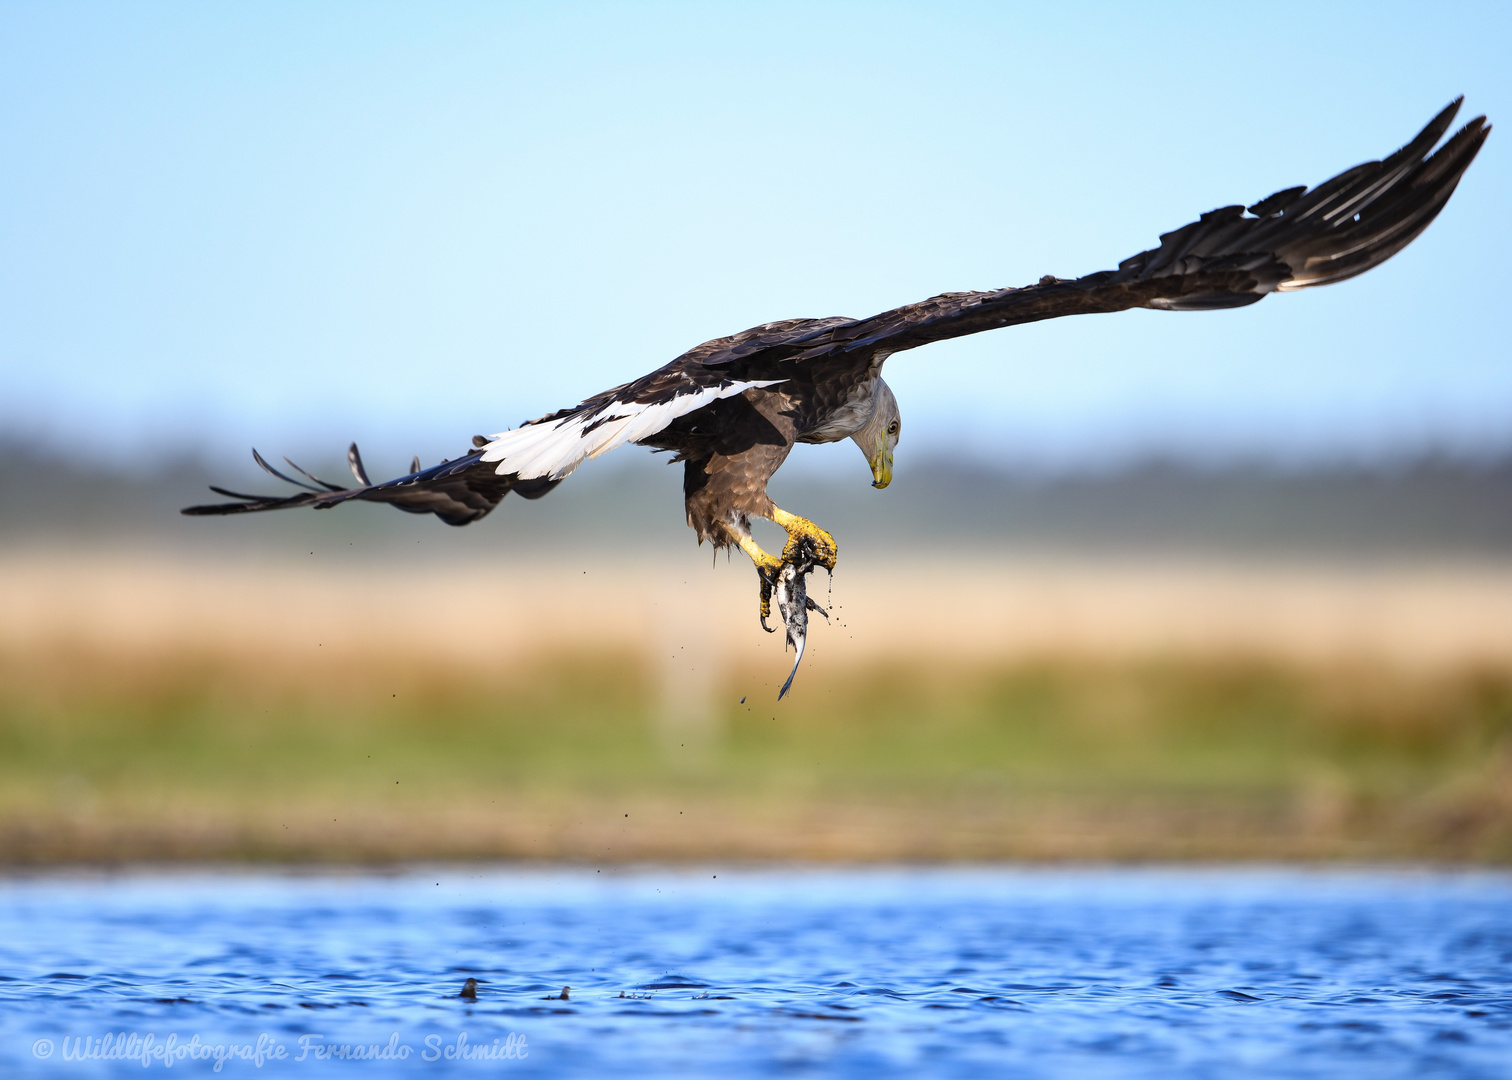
{"points": [[793, 604], [731, 409]]}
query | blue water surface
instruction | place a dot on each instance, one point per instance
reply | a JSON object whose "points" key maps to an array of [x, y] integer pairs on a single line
{"points": [[741, 972]]}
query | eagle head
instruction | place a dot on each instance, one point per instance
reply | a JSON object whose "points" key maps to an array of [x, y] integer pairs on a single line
{"points": [[879, 435]]}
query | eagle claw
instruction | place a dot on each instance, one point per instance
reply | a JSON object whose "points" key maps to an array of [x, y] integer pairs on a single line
{"points": [[808, 543], [767, 571]]}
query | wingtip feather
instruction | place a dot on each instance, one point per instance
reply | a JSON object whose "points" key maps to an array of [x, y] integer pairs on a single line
{"points": [[354, 462]]}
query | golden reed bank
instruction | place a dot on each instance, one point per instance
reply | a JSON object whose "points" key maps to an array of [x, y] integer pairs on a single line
{"points": [[988, 707]]}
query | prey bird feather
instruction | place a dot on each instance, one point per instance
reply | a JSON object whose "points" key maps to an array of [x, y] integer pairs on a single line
{"points": [[732, 409], [793, 605]]}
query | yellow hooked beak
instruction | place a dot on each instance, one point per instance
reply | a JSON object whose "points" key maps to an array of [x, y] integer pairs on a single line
{"points": [[881, 465]]}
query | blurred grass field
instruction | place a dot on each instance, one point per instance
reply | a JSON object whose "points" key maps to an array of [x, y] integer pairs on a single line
{"points": [[152, 709]]}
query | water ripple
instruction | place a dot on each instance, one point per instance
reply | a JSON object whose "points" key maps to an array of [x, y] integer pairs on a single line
{"points": [[901, 972]]}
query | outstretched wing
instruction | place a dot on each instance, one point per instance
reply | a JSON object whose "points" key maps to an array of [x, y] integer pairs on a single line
{"points": [[457, 492], [530, 460], [1230, 257]]}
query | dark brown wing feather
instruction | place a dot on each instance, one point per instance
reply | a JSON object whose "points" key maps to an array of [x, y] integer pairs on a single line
{"points": [[1229, 257], [458, 492]]}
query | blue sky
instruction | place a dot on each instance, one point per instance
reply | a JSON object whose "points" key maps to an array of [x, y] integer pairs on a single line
{"points": [[292, 225]]}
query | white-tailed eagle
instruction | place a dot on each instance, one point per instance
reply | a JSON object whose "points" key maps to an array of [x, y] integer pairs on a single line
{"points": [[732, 408]]}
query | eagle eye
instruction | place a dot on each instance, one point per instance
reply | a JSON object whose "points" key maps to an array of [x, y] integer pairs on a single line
{"points": [[892, 428]]}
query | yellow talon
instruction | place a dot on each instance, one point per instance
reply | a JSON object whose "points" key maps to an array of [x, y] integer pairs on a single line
{"points": [[822, 551], [767, 568], [825, 550]]}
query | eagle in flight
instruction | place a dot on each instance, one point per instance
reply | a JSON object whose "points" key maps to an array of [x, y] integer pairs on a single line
{"points": [[732, 408]]}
